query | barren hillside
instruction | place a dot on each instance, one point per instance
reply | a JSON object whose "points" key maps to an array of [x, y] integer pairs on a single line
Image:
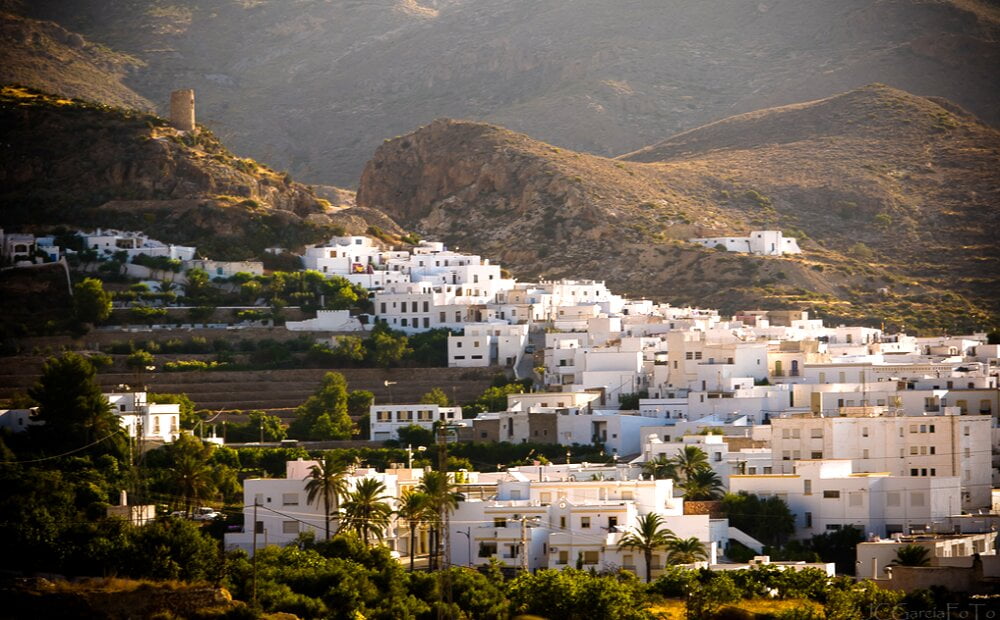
{"points": [[894, 197], [71, 162], [314, 86]]}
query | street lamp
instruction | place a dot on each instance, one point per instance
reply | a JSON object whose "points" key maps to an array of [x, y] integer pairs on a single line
{"points": [[409, 454], [468, 540]]}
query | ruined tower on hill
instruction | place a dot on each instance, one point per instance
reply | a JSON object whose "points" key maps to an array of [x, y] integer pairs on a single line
{"points": [[182, 109]]}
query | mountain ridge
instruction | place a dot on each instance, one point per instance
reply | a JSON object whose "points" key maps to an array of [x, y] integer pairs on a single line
{"points": [[883, 183], [314, 87], [71, 162]]}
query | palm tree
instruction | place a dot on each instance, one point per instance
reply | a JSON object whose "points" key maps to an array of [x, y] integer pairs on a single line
{"points": [[690, 460], [365, 510], [192, 478], [660, 468], [702, 485], [912, 555], [413, 508], [326, 481], [685, 551], [442, 500], [648, 536]]}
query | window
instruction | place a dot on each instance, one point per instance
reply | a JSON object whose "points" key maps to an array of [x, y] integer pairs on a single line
{"points": [[545, 498], [585, 522], [626, 495], [562, 522], [499, 522], [913, 471], [289, 527], [831, 494], [916, 498], [913, 450], [892, 499], [807, 487], [289, 499], [855, 498], [259, 527], [487, 549], [816, 455], [612, 522], [563, 557], [816, 433], [808, 519], [933, 449], [833, 527], [590, 557]]}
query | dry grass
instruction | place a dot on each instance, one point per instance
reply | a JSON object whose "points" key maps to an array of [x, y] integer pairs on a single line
{"points": [[673, 609]]}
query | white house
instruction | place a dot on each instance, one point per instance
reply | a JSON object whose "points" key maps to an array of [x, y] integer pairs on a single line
{"points": [[827, 495], [386, 420], [149, 421], [933, 445], [279, 510], [761, 242], [875, 554], [559, 516], [487, 344]]}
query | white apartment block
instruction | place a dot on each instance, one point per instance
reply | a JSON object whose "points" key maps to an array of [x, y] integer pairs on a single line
{"points": [[827, 495], [559, 516], [279, 510], [487, 344], [945, 445], [761, 242], [386, 420]]}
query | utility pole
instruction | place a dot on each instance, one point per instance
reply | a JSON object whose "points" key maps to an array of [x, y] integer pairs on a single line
{"points": [[442, 438], [524, 543], [253, 597]]}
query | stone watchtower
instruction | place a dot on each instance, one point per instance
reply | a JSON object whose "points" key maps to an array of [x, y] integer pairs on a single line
{"points": [[182, 109]]}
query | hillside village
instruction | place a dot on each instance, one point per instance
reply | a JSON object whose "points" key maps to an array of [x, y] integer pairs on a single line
{"points": [[851, 427]]}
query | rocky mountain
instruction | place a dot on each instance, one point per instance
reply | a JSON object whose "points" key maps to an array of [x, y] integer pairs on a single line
{"points": [[47, 56], [314, 86], [894, 198], [70, 162]]}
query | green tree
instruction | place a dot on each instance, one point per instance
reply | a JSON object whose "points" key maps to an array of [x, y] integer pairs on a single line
{"points": [[349, 349], [702, 485], [91, 303], [442, 501], [690, 460], [388, 348], [415, 435], [648, 535], [413, 509], [435, 397], [912, 555], [324, 415], [74, 411], [326, 482], [685, 550], [359, 403], [660, 468], [365, 511], [139, 360], [197, 286], [768, 520], [190, 476]]}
